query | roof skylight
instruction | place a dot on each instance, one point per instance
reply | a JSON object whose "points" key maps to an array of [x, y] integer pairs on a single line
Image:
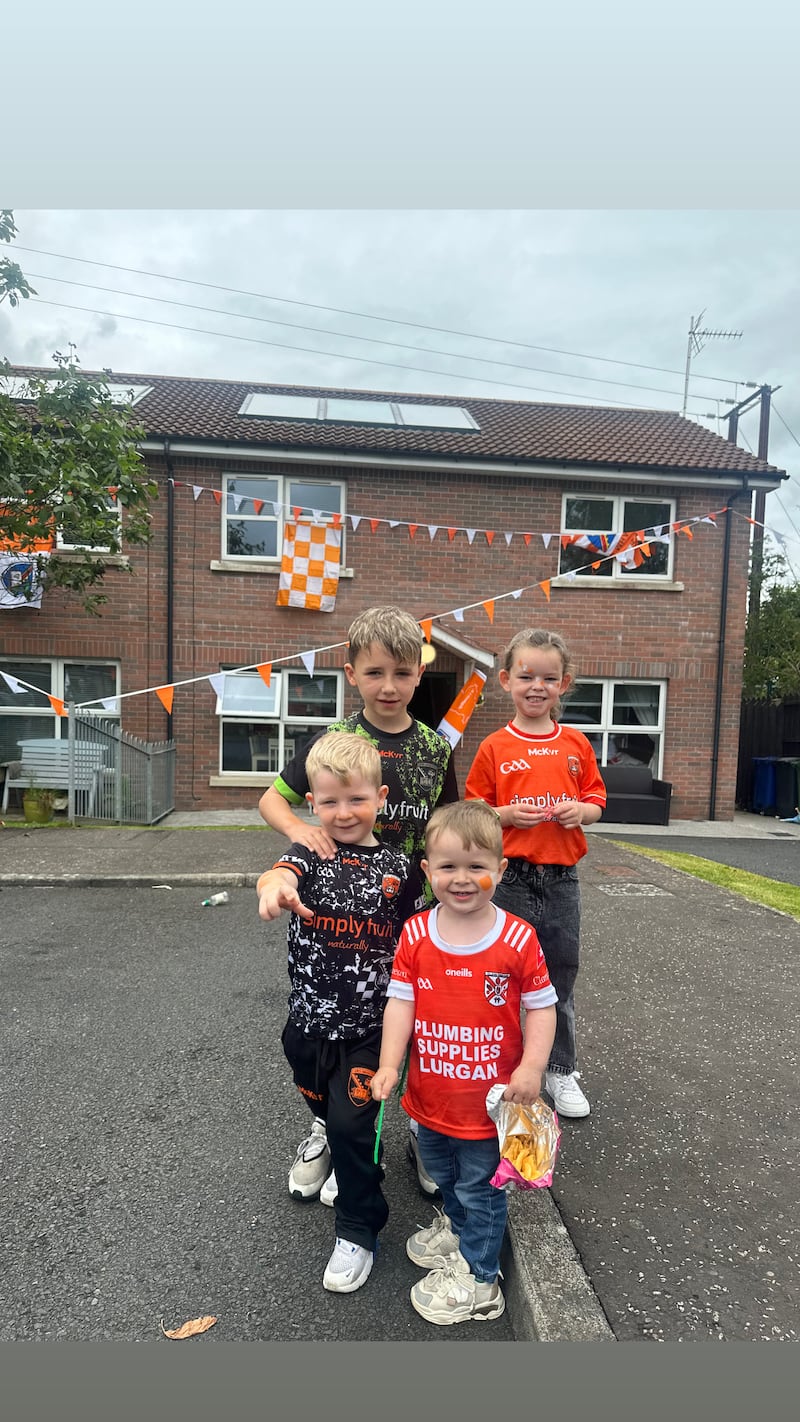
{"points": [[352, 411]]}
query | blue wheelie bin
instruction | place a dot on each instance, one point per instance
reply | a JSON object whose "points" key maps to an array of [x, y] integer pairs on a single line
{"points": [[764, 796]]}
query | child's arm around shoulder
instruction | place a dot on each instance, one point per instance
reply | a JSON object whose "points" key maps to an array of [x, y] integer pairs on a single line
{"points": [[277, 894]]}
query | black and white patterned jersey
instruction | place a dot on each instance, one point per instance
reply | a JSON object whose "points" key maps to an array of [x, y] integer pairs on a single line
{"points": [[340, 964]]}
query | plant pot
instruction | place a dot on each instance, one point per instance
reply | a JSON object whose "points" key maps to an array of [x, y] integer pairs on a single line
{"points": [[36, 810]]}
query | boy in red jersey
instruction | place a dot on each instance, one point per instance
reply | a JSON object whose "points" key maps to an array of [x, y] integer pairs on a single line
{"points": [[462, 973], [542, 778]]}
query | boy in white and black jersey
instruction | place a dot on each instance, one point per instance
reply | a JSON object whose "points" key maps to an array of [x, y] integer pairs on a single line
{"points": [[347, 911]]}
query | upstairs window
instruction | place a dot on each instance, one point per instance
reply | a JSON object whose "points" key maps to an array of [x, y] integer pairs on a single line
{"points": [[600, 520], [256, 506]]}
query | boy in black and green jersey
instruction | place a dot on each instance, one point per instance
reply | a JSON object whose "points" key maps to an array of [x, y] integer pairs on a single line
{"points": [[386, 667]]}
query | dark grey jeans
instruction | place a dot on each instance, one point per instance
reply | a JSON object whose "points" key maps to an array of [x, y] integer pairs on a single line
{"points": [[549, 897]]}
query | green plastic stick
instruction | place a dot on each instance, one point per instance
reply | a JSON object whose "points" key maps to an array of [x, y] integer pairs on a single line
{"points": [[378, 1129]]}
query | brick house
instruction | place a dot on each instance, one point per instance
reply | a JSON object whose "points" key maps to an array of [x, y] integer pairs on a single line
{"points": [[487, 497]]}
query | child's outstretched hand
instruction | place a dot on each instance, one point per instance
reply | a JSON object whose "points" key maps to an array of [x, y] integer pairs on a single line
{"points": [[524, 1086], [279, 897], [383, 1083]]}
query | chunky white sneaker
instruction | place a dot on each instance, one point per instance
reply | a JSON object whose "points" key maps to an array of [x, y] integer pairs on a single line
{"points": [[426, 1184], [329, 1191], [433, 1246], [312, 1164], [453, 1295], [568, 1098], [348, 1268]]}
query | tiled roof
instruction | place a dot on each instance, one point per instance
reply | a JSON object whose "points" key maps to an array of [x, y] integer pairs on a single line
{"points": [[511, 431]]}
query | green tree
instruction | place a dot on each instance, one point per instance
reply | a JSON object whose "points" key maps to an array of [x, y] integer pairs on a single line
{"points": [[772, 643], [69, 461]]}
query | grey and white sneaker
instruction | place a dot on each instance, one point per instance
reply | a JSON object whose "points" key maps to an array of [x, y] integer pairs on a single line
{"points": [[453, 1295], [568, 1098], [435, 1245], [312, 1164], [348, 1268], [329, 1191], [426, 1184]]}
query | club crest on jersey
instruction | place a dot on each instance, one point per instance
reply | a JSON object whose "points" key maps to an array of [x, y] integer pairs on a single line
{"points": [[495, 986], [573, 765], [390, 884], [358, 1085]]}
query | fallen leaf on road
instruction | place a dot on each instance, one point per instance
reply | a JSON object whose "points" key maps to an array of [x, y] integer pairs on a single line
{"points": [[188, 1330]]}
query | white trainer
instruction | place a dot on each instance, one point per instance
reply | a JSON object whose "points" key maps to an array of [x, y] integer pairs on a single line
{"points": [[329, 1191], [348, 1268], [435, 1245], [453, 1295], [568, 1098], [312, 1164]]}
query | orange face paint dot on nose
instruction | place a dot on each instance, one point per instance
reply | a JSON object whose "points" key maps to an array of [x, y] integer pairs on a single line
{"points": [[485, 881]]}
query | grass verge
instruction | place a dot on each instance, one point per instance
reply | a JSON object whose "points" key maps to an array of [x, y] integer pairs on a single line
{"points": [[770, 892]]}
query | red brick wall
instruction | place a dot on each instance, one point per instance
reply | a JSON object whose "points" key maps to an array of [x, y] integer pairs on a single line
{"points": [[612, 631]]}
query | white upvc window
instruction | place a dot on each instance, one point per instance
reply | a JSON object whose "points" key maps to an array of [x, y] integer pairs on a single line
{"points": [[262, 727], [603, 517], [65, 546], [27, 715], [624, 720], [255, 508]]}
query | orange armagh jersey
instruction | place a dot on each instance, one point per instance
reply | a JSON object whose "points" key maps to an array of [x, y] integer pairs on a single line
{"points": [[467, 1035], [511, 767]]}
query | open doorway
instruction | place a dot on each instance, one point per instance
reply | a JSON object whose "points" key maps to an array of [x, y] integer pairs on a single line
{"points": [[434, 695]]}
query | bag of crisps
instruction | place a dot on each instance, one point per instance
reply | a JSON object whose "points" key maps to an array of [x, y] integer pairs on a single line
{"points": [[528, 1138]]}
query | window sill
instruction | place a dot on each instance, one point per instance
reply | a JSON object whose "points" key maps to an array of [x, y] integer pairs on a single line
{"points": [[257, 780], [75, 555], [614, 584], [256, 565]]}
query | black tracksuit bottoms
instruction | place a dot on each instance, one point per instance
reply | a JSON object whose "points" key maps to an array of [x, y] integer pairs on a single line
{"points": [[334, 1078]]}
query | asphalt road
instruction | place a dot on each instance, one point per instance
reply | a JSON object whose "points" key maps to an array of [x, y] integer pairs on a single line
{"points": [[147, 1123], [777, 857]]}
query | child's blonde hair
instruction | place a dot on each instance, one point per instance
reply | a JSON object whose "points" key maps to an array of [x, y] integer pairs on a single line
{"points": [[473, 821], [344, 754], [538, 637], [390, 626]]}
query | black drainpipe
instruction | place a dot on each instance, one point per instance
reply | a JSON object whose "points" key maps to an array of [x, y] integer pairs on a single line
{"points": [[723, 619], [170, 573]]}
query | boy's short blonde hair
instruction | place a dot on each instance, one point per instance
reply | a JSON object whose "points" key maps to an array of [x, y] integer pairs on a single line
{"points": [[344, 754], [473, 821], [390, 626]]}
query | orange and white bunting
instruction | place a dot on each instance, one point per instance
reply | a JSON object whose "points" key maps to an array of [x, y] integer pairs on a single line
{"points": [[165, 695], [57, 704], [265, 672]]}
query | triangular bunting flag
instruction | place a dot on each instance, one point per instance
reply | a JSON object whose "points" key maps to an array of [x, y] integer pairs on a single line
{"points": [[427, 627], [471, 535], [237, 502], [277, 508], [545, 587], [297, 511], [316, 516], [165, 695], [56, 703], [13, 684], [412, 528], [458, 613], [393, 522], [217, 495], [355, 519], [258, 505], [489, 536], [113, 491], [110, 704], [565, 540], [433, 529], [197, 491], [645, 548], [517, 595], [265, 672], [687, 531], [508, 537], [545, 539], [451, 533], [596, 565], [709, 519], [337, 520], [658, 529], [488, 608], [308, 659], [217, 680], [373, 523], [571, 575]]}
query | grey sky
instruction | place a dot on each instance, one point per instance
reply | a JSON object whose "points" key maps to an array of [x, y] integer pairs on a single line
{"points": [[615, 284]]}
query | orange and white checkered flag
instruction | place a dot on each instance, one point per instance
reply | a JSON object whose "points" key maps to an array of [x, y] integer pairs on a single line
{"points": [[310, 566]]}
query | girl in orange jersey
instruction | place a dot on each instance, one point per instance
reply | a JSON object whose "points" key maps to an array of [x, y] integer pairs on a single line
{"points": [[543, 780]]}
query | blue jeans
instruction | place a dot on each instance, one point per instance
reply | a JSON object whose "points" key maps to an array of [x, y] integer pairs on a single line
{"points": [[477, 1211], [549, 897]]}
